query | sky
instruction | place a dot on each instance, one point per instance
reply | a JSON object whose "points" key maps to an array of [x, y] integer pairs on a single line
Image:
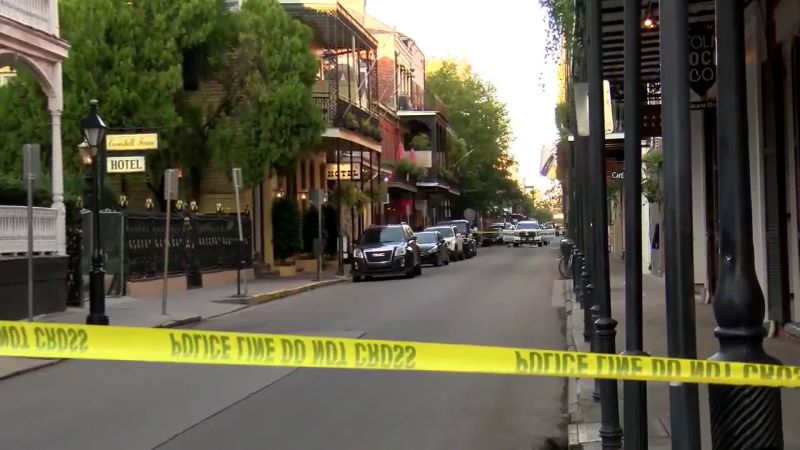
{"points": [[504, 41]]}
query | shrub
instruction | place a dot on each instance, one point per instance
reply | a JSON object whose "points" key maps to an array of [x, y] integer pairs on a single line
{"points": [[286, 228]]}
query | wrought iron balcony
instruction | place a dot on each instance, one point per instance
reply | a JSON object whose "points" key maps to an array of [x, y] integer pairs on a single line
{"points": [[343, 114], [39, 14]]}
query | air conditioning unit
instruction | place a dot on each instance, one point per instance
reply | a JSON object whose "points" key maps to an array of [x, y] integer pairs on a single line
{"points": [[234, 5], [403, 103]]}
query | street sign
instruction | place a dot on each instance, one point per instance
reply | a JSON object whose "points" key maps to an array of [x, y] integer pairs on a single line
{"points": [[171, 184], [237, 177], [315, 196], [125, 164], [470, 214], [31, 170], [131, 142], [702, 64]]}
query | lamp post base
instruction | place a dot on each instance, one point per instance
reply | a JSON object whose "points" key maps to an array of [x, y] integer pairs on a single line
{"points": [[97, 302]]}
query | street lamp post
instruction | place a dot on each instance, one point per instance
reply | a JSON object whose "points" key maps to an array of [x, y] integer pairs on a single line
{"points": [[94, 133], [739, 305]]}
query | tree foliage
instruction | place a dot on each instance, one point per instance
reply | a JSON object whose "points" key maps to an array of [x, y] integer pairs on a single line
{"points": [[560, 25], [269, 116], [133, 56], [480, 120]]}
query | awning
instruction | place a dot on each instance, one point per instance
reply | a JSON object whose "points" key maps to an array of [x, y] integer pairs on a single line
{"points": [[350, 136]]}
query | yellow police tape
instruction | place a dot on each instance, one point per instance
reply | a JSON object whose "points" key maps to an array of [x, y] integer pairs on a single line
{"points": [[40, 340]]}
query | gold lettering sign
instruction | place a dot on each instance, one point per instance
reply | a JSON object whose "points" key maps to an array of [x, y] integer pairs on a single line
{"points": [[129, 142]]}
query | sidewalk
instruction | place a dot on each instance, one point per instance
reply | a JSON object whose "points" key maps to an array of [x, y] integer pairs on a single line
{"points": [[585, 412], [182, 308]]}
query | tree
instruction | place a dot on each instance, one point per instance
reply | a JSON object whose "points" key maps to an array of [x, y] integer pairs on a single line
{"points": [[480, 120], [269, 116], [130, 56]]}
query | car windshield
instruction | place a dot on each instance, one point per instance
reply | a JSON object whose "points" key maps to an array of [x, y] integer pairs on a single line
{"points": [[460, 226], [428, 237], [446, 231], [528, 226], [382, 235]]}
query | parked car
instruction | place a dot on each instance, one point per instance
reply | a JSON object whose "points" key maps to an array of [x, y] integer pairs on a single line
{"points": [[455, 243], [528, 232], [463, 227], [387, 250], [433, 248]]}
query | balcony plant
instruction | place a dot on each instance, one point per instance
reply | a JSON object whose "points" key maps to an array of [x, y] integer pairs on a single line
{"points": [[350, 122], [408, 167], [421, 142]]}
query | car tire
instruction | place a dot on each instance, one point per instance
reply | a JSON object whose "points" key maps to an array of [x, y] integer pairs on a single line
{"points": [[357, 278], [516, 245]]}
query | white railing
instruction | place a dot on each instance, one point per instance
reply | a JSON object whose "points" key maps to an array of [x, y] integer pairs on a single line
{"points": [[14, 230], [34, 13]]}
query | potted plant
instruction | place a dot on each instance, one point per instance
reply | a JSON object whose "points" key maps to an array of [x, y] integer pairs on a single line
{"points": [[408, 167], [307, 261], [286, 226], [350, 122], [421, 142]]}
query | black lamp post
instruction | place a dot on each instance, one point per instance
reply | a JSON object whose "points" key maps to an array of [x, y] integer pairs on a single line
{"points": [[94, 133]]}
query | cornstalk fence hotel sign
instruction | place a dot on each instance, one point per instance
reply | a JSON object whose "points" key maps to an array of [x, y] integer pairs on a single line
{"points": [[128, 149]]}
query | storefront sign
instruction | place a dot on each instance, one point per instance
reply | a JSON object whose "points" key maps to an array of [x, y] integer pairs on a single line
{"points": [[702, 67], [131, 142], [125, 164], [342, 171], [651, 121], [615, 170]]}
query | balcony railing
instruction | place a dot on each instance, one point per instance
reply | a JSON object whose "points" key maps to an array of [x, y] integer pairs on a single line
{"points": [[38, 14], [14, 230], [344, 114]]}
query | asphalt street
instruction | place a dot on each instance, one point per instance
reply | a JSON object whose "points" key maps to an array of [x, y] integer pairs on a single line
{"points": [[502, 297]]}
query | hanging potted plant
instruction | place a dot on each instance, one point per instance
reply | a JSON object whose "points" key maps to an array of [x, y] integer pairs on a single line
{"points": [[421, 142]]}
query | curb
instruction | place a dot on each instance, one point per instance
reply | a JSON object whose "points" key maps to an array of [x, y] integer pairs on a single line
{"points": [[259, 299], [180, 322]]}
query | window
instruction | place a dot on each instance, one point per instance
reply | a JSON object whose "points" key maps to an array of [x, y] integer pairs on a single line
{"points": [[382, 235]]}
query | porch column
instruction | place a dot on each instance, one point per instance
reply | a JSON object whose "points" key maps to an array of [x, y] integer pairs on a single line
{"points": [[635, 392], [56, 105], [677, 229], [605, 326], [739, 305]]}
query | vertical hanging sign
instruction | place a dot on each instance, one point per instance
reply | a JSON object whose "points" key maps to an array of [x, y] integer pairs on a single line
{"points": [[702, 57]]}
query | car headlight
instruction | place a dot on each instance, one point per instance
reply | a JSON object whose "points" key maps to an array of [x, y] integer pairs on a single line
{"points": [[400, 250], [358, 253]]}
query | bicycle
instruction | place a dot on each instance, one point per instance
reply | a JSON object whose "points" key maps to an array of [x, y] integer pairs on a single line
{"points": [[565, 267]]}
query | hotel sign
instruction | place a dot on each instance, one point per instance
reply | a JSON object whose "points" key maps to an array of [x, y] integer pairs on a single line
{"points": [[342, 171], [125, 164], [131, 142]]}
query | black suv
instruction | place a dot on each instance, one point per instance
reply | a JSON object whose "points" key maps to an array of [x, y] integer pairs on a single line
{"points": [[386, 250], [464, 228]]}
